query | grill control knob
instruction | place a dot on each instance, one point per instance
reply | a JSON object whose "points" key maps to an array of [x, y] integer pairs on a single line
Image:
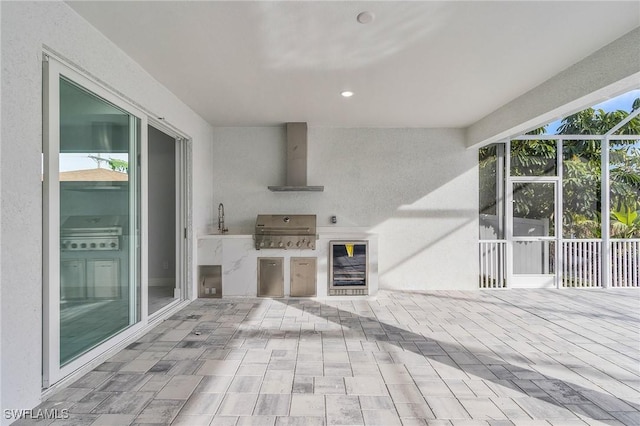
{"points": [[271, 244], [280, 244], [309, 244], [74, 245], [299, 243], [113, 245], [103, 245], [261, 243], [92, 245], [289, 243], [83, 245]]}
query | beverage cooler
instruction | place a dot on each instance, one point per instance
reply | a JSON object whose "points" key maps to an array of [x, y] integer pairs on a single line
{"points": [[348, 268]]}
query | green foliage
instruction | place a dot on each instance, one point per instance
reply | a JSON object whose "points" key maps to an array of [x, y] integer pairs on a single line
{"points": [[119, 165], [582, 171], [533, 158], [625, 174], [598, 122], [113, 163], [581, 191], [487, 164], [578, 226], [627, 217], [581, 183], [625, 222]]}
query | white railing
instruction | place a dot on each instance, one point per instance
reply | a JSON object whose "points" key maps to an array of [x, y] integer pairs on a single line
{"points": [[493, 264], [581, 262], [625, 263]]}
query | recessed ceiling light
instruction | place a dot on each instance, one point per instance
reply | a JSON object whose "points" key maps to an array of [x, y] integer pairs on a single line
{"points": [[365, 17], [347, 94]]}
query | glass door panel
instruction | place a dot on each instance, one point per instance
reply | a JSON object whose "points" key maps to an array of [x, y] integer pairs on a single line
{"points": [[533, 209], [533, 233], [99, 220]]}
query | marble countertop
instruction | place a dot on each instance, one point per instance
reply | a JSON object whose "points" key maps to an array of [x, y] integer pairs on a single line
{"points": [[225, 236]]}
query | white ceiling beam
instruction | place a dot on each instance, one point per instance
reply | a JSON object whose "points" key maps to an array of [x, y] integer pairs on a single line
{"points": [[608, 72]]}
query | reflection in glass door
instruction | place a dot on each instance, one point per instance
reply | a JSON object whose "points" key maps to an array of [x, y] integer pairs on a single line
{"points": [[93, 219], [533, 233], [99, 220]]}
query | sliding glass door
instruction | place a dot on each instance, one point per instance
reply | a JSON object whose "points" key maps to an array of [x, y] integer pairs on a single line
{"points": [[93, 217]]}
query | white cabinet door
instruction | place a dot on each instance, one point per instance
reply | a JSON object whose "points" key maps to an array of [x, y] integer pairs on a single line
{"points": [[104, 278], [73, 279]]}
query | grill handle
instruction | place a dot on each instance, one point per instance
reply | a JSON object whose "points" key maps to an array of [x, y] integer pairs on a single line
{"points": [[285, 228]]}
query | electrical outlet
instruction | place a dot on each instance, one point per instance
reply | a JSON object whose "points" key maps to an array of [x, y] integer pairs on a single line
{"points": [[334, 219]]}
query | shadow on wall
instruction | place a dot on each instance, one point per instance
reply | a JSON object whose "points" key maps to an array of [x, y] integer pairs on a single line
{"points": [[427, 249], [416, 188]]}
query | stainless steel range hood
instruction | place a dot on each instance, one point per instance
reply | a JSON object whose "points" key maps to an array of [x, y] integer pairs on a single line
{"points": [[296, 161]]}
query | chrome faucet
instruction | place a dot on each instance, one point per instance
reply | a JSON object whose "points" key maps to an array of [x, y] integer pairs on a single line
{"points": [[221, 227]]}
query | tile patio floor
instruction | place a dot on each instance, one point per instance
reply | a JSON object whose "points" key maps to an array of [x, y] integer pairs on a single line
{"points": [[518, 357]]}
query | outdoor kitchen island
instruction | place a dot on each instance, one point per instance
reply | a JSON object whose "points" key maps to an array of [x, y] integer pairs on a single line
{"points": [[239, 259]]}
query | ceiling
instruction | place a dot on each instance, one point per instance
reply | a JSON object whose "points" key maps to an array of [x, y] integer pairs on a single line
{"points": [[418, 64]]}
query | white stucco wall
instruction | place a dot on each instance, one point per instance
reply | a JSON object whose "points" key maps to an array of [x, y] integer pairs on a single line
{"points": [[417, 188], [26, 28]]}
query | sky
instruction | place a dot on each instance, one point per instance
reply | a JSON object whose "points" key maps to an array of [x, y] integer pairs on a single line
{"points": [[621, 102], [81, 161]]}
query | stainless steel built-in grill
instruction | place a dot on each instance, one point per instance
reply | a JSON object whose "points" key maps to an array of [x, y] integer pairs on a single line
{"points": [[83, 233], [296, 231]]}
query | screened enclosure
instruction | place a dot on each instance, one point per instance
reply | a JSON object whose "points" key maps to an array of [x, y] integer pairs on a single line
{"points": [[560, 205]]}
